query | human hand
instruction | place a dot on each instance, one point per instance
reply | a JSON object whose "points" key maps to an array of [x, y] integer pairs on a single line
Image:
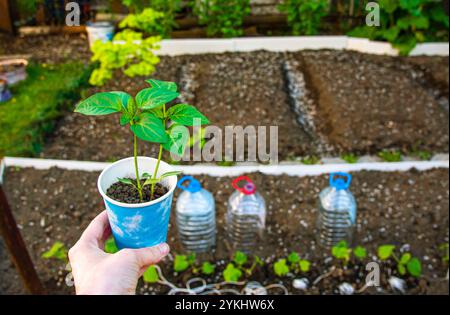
{"points": [[97, 272]]}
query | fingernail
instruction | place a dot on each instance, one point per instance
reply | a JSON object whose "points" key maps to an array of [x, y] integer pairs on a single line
{"points": [[164, 249]]}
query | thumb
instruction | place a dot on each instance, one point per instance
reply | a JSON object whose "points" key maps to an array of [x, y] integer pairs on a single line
{"points": [[151, 255]]}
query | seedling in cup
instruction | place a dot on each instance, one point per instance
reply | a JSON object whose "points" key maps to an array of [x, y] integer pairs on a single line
{"points": [[138, 202], [148, 117]]}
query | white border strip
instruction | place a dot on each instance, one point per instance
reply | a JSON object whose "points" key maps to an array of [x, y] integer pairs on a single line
{"points": [[223, 171], [174, 47]]}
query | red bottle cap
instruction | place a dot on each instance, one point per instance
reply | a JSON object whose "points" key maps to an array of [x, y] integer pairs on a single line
{"points": [[248, 189]]}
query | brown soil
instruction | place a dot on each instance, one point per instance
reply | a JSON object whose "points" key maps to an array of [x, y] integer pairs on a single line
{"points": [[129, 194], [47, 48], [398, 103], [365, 103], [406, 209]]}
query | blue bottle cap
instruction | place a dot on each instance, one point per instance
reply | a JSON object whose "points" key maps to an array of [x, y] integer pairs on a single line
{"points": [[340, 181], [193, 186]]}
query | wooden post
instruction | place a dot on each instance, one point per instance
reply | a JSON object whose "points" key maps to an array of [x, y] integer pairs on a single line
{"points": [[6, 19], [16, 246]]}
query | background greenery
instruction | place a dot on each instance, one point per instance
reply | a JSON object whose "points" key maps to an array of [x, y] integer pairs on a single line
{"points": [[37, 102]]}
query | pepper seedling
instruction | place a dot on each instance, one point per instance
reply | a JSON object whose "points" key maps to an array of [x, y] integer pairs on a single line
{"points": [[342, 252], [240, 259], [406, 263], [57, 251], [149, 118]]}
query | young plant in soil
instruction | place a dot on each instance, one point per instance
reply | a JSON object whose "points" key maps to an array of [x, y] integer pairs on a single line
{"points": [[293, 263], [406, 263], [148, 117], [182, 263], [239, 266]]}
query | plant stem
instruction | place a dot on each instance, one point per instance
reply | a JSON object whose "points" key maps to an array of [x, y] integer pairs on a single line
{"points": [[136, 169], [155, 173]]}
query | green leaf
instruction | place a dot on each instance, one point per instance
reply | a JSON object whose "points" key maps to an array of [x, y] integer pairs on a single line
{"points": [[231, 273], [57, 251], [208, 268], [180, 263], [391, 33], [406, 257], [110, 246], [388, 5], [178, 137], [149, 128], [401, 269], [281, 268], [102, 103], [414, 267], [293, 258], [151, 275], [171, 86], [152, 98], [240, 258], [341, 251], [360, 252], [168, 174], [304, 265], [185, 114], [151, 181], [127, 181], [385, 251]]}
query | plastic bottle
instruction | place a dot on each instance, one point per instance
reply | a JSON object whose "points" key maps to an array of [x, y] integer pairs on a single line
{"points": [[337, 211], [246, 216], [196, 216]]}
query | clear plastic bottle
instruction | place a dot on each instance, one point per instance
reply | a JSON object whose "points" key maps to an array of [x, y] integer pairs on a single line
{"points": [[196, 216], [337, 211], [246, 216]]}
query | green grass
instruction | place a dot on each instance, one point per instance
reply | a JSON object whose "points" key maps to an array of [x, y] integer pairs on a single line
{"points": [[36, 104]]}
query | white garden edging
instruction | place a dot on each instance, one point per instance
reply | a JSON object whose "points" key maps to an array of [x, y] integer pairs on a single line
{"points": [[174, 47], [223, 171]]}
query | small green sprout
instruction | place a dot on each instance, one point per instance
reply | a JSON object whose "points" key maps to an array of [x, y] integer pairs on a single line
{"points": [[240, 258], [256, 262], [231, 273], [110, 246], [423, 155], [310, 160], [406, 263], [298, 264], [341, 251], [57, 251], [360, 252], [390, 156], [350, 158], [208, 268], [151, 275], [180, 263], [281, 268]]}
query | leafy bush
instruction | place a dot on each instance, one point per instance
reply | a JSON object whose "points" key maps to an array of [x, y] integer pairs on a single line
{"points": [[222, 18], [157, 18], [404, 23], [305, 16], [129, 50]]}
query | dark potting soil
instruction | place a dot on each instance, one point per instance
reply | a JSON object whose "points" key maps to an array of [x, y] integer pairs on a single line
{"points": [[407, 209], [129, 194], [360, 103]]}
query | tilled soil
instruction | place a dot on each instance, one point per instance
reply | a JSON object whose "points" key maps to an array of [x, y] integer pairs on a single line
{"points": [[407, 209], [47, 48], [359, 103], [365, 103]]}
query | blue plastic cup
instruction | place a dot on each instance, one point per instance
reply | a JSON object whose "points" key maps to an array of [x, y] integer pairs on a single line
{"points": [[137, 225]]}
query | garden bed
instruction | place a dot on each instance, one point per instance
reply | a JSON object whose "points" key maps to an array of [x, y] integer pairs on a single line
{"points": [[399, 103], [405, 209]]}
